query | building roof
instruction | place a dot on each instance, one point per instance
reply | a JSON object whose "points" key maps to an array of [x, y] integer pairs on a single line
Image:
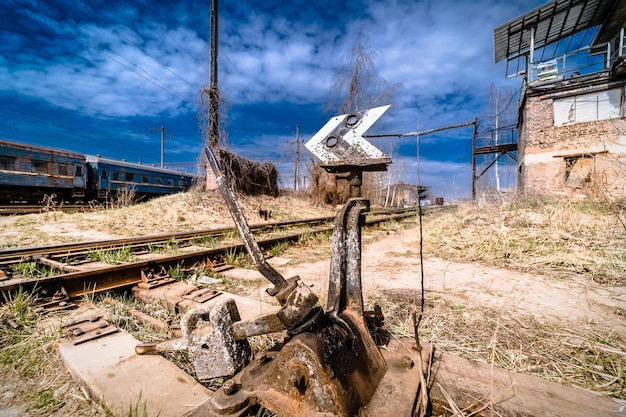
{"points": [[556, 20]]}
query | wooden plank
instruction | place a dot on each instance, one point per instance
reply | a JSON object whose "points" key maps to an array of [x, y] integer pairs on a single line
{"points": [[513, 394]]}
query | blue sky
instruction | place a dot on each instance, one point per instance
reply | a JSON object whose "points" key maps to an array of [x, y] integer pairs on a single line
{"points": [[97, 76]]}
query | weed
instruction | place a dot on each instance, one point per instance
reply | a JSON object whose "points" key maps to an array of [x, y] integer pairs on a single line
{"points": [[177, 272], [34, 270], [231, 234], [208, 241], [45, 400], [19, 306], [113, 256], [237, 258], [169, 247], [140, 409], [279, 248]]}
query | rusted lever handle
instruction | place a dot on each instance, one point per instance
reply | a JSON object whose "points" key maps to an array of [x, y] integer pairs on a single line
{"points": [[244, 230]]}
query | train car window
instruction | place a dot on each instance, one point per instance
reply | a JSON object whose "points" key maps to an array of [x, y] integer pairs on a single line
{"points": [[40, 166], [130, 177], [170, 182], [181, 183], [145, 179], [7, 162], [62, 169], [103, 174], [78, 172], [116, 176], [158, 180]]}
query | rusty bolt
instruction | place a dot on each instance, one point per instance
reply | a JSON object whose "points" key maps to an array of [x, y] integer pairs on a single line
{"points": [[230, 387], [406, 362]]}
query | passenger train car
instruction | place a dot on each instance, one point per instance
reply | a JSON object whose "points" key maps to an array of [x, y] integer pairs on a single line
{"points": [[29, 173]]}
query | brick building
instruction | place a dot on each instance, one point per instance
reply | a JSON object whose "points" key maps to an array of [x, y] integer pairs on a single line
{"points": [[572, 126]]}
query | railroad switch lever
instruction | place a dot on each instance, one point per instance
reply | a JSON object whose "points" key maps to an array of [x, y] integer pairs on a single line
{"points": [[329, 365]]}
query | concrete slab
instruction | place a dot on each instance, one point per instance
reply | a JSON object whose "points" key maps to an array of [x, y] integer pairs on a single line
{"points": [[171, 297], [110, 370]]}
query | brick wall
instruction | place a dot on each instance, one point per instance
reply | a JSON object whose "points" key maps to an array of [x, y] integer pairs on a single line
{"points": [[546, 151]]}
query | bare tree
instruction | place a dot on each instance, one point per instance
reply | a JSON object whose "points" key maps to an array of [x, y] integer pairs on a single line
{"points": [[357, 85]]}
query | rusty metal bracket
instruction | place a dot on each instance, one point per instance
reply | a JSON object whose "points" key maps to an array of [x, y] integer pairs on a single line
{"points": [[59, 301], [81, 331], [151, 278]]}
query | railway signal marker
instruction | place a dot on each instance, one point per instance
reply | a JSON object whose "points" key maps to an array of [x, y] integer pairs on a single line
{"points": [[341, 140]]}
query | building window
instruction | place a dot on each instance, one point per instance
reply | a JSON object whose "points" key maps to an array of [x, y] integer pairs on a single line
{"points": [[601, 105], [578, 170]]}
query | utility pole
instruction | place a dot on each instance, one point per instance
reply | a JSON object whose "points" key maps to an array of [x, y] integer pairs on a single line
{"points": [[213, 92], [297, 142], [162, 128]]}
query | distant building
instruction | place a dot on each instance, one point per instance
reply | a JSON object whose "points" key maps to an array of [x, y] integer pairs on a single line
{"points": [[572, 131], [403, 195]]}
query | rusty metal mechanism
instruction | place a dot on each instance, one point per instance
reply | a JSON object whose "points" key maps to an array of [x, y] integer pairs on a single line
{"points": [[329, 364]]}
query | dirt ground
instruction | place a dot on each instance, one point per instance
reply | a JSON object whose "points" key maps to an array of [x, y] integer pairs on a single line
{"points": [[391, 269]]}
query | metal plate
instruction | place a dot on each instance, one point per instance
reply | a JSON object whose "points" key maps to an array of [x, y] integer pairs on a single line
{"points": [[89, 329]]}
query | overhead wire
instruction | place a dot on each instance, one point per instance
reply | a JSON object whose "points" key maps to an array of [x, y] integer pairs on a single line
{"points": [[133, 67]]}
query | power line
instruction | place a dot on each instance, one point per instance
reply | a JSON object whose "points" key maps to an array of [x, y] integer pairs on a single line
{"points": [[153, 79]]}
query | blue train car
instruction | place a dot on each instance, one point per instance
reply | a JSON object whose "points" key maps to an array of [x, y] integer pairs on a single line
{"points": [[108, 175], [28, 173]]}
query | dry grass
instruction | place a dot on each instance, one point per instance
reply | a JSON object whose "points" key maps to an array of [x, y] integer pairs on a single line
{"points": [[32, 376], [569, 354], [557, 237], [176, 213]]}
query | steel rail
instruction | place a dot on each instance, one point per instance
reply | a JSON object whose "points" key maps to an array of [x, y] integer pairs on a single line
{"points": [[12, 255], [78, 284]]}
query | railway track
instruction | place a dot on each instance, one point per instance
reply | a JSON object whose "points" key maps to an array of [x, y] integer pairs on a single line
{"points": [[77, 279]]}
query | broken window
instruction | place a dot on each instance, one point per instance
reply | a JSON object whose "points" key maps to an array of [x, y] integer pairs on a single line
{"points": [[116, 176], [62, 169], [145, 179], [578, 170], [40, 166], [7, 163], [601, 105]]}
